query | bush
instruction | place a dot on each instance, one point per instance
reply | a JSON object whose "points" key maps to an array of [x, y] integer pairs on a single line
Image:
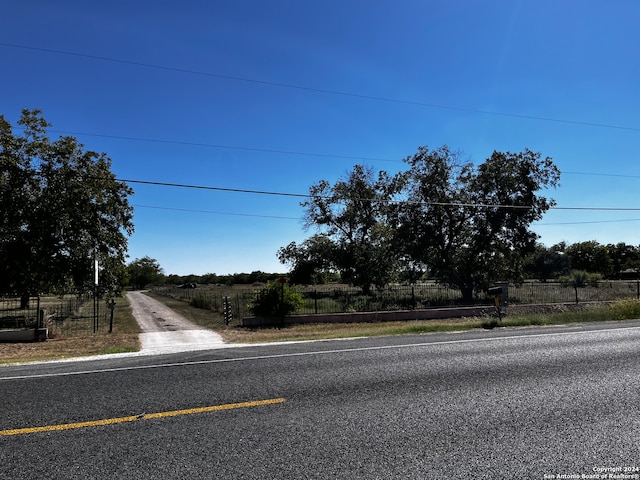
{"points": [[276, 300], [580, 279], [625, 309]]}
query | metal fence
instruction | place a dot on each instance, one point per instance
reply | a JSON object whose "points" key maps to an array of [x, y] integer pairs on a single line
{"points": [[326, 299], [13, 316], [58, 314], [555, 292]]}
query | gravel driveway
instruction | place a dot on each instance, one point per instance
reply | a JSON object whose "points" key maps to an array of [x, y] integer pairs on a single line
{"points": [[165, 331]]}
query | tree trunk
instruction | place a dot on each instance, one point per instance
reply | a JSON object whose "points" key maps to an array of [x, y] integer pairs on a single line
{"points": [[467, 294], [24, 301]]}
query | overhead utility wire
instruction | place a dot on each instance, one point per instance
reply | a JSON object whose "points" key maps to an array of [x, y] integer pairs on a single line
{"points": [[546, 224], [219, 189], [286, 152], [306, 195], [322, 90], [215, 213], [278, 217], [229, 147]]}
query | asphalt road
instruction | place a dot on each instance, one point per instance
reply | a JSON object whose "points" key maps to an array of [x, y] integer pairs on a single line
{"points": [[507, 403]]}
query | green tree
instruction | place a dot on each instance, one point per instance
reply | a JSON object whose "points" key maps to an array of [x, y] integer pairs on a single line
{"points": [[352, 215], [61, 207], [546, 263], [590, 256], [623, 257], [309, 262], [470, 225], [144, 271]]}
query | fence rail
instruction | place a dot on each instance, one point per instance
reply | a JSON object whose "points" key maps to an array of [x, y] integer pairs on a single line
{"points": [[326, 299], [14, 316], [58, 314]]}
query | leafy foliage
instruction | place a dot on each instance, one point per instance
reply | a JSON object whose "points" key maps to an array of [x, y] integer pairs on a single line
{"points": [[466, 225], [276, 300], [355, 239], [144, 271], [580, 279], [470, 224], [547, 263], [589, 256], [61, 207], [310, 261]]}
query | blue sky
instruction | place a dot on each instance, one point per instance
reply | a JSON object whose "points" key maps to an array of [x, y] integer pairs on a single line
{"points": [[212, 93]]}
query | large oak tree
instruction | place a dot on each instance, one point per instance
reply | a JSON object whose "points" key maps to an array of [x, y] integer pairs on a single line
{"points": [[471, 224], [467, 225], [354, 232], [60, 208]]}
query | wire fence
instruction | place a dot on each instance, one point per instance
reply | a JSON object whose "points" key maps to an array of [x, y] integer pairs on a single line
{"points": [[328, 299], [15, 314], [60, 315]]}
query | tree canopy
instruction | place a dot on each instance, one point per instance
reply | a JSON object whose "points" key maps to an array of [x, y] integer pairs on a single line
{"points": [[144, 271], [354, 237], [466, 225], [471, 224], [62, 207]]}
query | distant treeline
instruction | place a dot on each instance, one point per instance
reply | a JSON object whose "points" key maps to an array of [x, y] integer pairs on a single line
{"points": [[232, 279], [613, 261]]}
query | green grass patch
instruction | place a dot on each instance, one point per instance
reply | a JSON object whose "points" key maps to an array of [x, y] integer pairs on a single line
{"points": [[620, 310], [119, 349]]}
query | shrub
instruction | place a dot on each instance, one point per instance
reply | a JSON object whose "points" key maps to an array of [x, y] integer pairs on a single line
{"points": [[581, 279], [276, 300], [625, 309]]}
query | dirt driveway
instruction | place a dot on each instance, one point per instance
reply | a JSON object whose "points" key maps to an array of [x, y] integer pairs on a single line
{"points": [[165, 331]]}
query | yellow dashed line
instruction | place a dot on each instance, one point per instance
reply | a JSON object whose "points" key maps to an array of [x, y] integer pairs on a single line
{"points": [[113, 421]]}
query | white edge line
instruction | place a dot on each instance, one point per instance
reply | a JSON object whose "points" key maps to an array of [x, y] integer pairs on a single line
{"points": [[321, 352]]}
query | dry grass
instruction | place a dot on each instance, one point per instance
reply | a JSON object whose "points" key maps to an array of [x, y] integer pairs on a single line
{"points": [[79, 343], [68, 347], [326, 331], [203, 317]]}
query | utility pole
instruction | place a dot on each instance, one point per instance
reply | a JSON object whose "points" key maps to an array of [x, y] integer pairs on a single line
{"points": [[95, 290]]}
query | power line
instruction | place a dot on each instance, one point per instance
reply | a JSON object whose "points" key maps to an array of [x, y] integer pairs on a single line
{"points": [[215, 213], [220, 189], [322, 90], [229, 147], [590, 222], [306, 195], [278, 217], [285, 152], [601, 174]]}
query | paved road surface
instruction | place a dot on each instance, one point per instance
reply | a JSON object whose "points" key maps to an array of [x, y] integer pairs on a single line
{"points": [[527, 403], [165, 331]]}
